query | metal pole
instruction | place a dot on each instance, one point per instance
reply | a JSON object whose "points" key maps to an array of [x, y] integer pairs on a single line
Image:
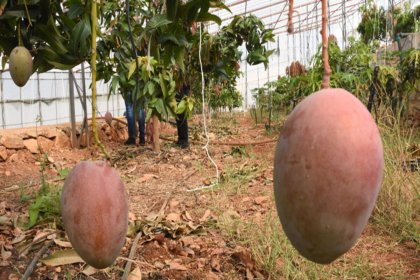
{"points": [[55, 94], [39, 99], [246, 69], [84, 104], [21, 107], [74, 141], [278, 56], [344, 25], [2, 101]]}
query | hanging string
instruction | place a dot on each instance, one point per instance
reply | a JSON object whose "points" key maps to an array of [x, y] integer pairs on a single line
{"points": [[206, 146]]}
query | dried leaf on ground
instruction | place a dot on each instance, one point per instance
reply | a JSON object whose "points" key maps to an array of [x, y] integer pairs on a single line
{"points": [[5, 255], [173, 217], [18, 239], [89, 270], [135, 274], [186, 216], [176, 266], [261, 200], [205, 216], [244, 258], [62, 258], [215, 263], [64, 244], [147, 177]]}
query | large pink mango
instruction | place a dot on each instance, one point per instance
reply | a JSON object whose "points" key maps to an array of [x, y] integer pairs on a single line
{"points": [[94, 208], [328, 170]]}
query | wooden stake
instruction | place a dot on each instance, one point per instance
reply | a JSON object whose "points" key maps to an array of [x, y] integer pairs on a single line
{"points": [[327, 68], [290, 18], [156, 133]]}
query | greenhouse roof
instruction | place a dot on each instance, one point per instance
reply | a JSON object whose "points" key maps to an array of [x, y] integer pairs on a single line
{"points": [[274, 13]]}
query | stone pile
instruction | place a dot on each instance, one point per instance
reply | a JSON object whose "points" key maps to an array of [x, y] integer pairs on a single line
{"points": [[35, 141]]}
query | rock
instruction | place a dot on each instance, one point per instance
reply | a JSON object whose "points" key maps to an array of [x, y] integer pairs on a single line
{"points": [[13, 158], [261, 200], [3, 153], [62, 140], [108, 131], [45, 144], [7, 173], [31, 145], [50, 133], [12, 142]]}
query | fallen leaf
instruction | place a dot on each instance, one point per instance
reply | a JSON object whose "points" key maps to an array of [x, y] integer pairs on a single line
{"points": [[244, 257], [62, 243], [215, 263], [177, 266], [187, 216], [17, 231], [189, 251], [89, 270], [135, 274], [5, 254], [131, 216], [249, 275], [245, 199], [205, 216], [18, 239], [260, 200], [173, 217], [147, 177], [159, 265], [187, 241], [5, 221], [13, 276], [212, 276], [173, 204], [62, 258]]}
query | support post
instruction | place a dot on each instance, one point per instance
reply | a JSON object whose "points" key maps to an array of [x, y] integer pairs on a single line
{"points": [[39, 99], [3, 119], [85, 123], [156, 133], [74, 142]]}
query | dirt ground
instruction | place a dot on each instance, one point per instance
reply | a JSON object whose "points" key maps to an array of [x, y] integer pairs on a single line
{"points": [[174, 208]]}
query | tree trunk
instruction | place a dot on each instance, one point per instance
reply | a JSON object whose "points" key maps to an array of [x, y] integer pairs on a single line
{"points": [[156, 133]]}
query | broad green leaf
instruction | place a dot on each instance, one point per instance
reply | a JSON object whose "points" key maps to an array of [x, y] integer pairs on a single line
{"points": [[181, 107], [156, 22], [131, 69], [209, 17]]}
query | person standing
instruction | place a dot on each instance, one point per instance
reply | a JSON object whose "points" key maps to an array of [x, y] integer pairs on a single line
{"points": [[181, 119], [129, 114]]}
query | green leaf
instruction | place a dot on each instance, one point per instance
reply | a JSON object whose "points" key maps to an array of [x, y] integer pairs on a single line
{"points": [[79, 39], [62, 258], [209, 17], [151, 87], [49, 33], [131, 68], [163, 85], [156, 22], [181, 107]]}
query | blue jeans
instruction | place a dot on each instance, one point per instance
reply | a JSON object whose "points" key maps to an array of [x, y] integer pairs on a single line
{"points": [[129, 113]]}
